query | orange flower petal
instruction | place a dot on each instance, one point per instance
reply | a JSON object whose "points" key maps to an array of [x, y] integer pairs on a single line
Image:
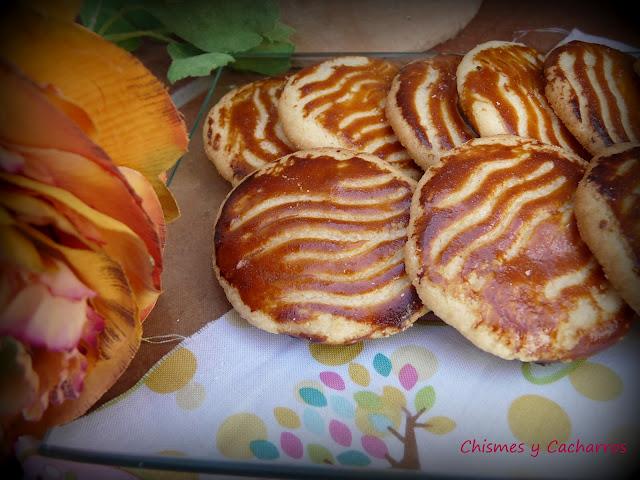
{"points": [[136, 121], [117, 344], [96, 229], [67, 158], [150, 201]]}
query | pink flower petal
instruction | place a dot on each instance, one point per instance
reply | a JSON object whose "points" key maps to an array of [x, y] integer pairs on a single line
{"points": [[39, 319], [62, 282], [93, 327], [63, 376]]}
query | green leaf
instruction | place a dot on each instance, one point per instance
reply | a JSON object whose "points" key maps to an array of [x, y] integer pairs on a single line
{"points": [[280, 33], [189, 62], [217, 26], [368, 400], [90, 12], [266, 66], [439, 425], [425, 399], [106, 18]]}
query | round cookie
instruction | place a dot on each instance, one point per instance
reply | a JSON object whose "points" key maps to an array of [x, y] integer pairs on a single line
{"points": [[340, 103], [595, 92], [312, 246], [501, 90], [608, 215], [494, 251], [242, 131], [422, 108]]}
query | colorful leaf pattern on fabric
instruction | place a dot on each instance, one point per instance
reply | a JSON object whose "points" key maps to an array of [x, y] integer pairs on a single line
{"points": [[357, 417]]}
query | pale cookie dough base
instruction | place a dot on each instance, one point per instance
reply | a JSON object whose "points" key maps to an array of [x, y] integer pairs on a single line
{"points": [[600, 230]]}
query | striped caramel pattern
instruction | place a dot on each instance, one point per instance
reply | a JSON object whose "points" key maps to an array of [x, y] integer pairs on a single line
{"points": [[244, 127], [509, 77], [617, 179], [349, 103], [603, 93], [496, 229], [315, 235], [427, 97]]}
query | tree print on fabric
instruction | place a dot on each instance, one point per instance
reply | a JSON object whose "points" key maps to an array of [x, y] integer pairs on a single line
{"points": [[352, 423]]}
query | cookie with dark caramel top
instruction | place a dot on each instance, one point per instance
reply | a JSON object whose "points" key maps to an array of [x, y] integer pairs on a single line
{"points": [[422, 107], [340, 103], [312, 246], [242, 131], [501, 88], [494, 251], [595, 92]]}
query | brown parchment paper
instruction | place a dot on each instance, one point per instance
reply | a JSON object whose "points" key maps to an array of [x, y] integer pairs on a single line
{"points": [[192, 296]]}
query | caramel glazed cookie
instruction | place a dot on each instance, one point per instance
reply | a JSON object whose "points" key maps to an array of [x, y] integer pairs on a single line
{"points": [[608, 215], [494, 251], [501, 90], [340, 103], [242, 132], [595, 92], [312, 246], [422, 108]]}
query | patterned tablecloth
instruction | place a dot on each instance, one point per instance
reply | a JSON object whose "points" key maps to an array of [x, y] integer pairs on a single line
{"points": [[425, 399]]}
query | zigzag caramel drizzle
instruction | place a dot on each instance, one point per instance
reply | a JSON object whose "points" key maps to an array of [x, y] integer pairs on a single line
{"points": [[349, 103], [498, 233], [428, 102], [604, 90], [316, 235], [617, 178], [510, 78], [254, 135]]}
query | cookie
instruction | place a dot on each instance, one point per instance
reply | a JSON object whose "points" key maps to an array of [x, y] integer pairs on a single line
{"points": [[595, 92], [340, 103], [422, 108], [501, 90], [312, 246], [494, 251], [608, 215], [242, 131]]}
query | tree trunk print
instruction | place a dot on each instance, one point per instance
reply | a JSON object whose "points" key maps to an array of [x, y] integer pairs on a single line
{"points": [[410, 459]]}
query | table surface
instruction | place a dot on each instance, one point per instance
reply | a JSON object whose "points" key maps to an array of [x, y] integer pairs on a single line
{"points": [[192, 296]]}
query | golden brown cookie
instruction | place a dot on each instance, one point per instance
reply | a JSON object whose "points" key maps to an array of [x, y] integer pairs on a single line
{"points": [[422, 108], [595, 92], [312, 246], [494, 251], [340, 103], [242, 132], [501, 90], [608, 214]]}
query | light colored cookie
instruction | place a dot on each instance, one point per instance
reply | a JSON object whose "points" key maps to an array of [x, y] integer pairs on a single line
{"points": [[242, 132], [608, 214], [494, 251], [595, 92], [501, 90], [422, 108], [340, 103], [312, 246]]}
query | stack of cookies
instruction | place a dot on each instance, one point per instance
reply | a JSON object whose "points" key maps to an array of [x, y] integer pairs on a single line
{"points": [[366, 195]]}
